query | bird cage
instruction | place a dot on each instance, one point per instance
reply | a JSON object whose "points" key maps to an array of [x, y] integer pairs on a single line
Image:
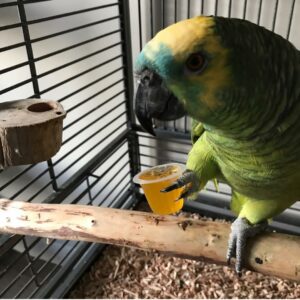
{"points": [[81, 54]]}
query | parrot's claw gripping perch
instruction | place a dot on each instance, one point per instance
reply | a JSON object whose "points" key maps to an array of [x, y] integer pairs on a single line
{"points": [[241, 230], [189, 180]]}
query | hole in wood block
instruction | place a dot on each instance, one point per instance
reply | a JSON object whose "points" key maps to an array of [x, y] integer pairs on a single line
{"points": [[40, 107]]}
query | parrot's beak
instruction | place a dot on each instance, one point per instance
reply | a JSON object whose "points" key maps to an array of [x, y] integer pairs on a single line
{"points": [[154, 100]]}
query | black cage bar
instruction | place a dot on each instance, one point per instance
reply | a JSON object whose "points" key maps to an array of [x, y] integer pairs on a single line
{"points": [[82, 55]]}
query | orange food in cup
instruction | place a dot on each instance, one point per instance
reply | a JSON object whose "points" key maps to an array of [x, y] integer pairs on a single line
{"points": [[155, 179]]}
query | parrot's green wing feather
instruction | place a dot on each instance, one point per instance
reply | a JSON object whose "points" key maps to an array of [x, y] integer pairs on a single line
{"points": [[196, 133]]}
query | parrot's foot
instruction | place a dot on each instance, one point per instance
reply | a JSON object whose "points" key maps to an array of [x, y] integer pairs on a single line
{"points": [[241, 230], [190, 181]]}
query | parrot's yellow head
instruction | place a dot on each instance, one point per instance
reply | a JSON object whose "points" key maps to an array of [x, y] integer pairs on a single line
{"points": [[188, 46], [189, 62]]}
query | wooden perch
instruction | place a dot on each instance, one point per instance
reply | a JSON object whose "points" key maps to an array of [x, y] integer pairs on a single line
{"points": [[272, 253]]}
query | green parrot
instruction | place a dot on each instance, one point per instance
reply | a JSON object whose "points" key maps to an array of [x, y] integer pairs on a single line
{"points": [[240, 84]]}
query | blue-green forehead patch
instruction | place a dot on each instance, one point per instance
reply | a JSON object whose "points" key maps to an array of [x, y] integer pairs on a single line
{"points": [[160, 60]]}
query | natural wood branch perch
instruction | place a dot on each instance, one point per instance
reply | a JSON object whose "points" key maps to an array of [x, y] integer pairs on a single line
{"points": [[273, 253]]}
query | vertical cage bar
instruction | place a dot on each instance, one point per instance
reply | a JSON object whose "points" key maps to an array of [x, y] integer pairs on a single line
{"points": [[26, 35], [151, 18], [259, 12], [229, 8], [163, 13], [275, 15], [89, 190], [245, 9], [216, 7], [202, 7], [291, 20], [175, 20], [33, 73], [133, 142], [188, 15], [185, 124], [31, 261], [52, 175], [174, 125], [140, 24], [163, 25]]}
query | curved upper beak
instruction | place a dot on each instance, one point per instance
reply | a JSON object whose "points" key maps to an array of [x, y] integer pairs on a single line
{"points": [[154, 100]]}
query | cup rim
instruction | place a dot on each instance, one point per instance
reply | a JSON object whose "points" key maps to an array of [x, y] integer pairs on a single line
{"points": [[137, 180]]}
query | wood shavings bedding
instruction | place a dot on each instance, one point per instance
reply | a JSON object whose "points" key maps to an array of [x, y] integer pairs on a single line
{"points": [[126, 273]]}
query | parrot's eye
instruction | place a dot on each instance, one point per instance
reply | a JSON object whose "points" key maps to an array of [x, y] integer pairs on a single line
{"points": [[195, 62]]}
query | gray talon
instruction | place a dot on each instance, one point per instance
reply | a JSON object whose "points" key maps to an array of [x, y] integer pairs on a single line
{"points": [[231, 248], [241, 230], [186, 178], [185, 194], [171, 187], [189, 180]]}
